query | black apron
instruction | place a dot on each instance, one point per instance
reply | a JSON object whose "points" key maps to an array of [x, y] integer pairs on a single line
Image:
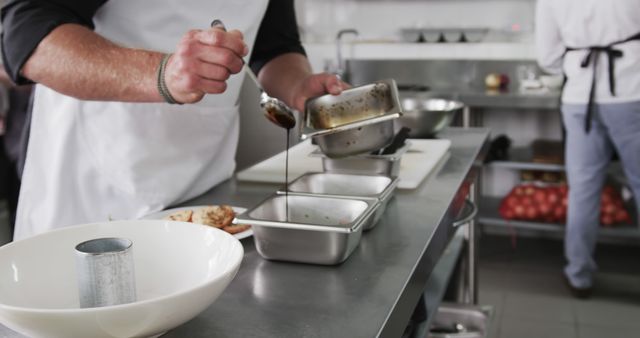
{"points": [[592, 57]]}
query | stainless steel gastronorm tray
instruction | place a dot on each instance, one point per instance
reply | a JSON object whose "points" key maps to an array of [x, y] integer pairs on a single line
{"points": [[365, 164], [355, 107], [317, 229], [378, 187]]}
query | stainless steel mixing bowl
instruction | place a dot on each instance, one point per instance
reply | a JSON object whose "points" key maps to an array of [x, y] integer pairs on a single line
{"points": [[427, 116]]}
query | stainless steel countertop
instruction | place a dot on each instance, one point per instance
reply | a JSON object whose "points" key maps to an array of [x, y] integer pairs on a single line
{"points": [[371, 294], [512, 99]]}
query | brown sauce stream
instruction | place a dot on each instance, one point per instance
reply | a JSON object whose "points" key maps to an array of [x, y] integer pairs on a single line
{"points": [[286, 179]]}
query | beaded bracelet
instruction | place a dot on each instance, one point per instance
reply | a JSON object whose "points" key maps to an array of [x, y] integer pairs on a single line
{"points": [[162, 85]]}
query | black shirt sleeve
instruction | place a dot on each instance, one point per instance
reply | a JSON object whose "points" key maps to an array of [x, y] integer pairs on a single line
{"points": [[278, 34], [26, 22]]}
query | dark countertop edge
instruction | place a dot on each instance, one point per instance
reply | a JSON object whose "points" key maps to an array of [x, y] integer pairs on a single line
{"points": [[403, 308]]}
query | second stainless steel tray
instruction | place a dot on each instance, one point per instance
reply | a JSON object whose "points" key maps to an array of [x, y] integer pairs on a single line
{"points": [[366, 164], [379, 187], [312, 229]]}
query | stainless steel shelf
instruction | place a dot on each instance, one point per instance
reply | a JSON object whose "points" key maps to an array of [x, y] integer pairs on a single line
{"points": [[520, 158], [488, 215]]}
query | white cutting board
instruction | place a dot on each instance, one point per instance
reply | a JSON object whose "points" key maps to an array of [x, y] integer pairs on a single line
{"points": [[416, 164]]}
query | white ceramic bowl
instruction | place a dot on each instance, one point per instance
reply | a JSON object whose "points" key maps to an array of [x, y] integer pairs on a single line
{"points": [[180, 268]]}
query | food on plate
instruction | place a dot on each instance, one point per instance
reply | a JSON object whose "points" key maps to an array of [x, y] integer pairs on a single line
{"points": [[181, 216], [217, 216], [236, 228]]}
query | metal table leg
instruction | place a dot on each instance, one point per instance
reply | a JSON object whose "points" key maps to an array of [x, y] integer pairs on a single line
{"points": [[467, 287]]}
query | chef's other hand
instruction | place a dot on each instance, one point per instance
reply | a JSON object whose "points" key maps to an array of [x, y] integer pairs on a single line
{"points": [[316, 85], [202, 63]]}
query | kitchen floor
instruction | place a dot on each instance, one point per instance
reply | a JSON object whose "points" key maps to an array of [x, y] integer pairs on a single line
{"points": [[524, 284]]}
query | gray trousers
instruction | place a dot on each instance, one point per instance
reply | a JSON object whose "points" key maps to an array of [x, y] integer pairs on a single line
{"points": [[587, 156]]}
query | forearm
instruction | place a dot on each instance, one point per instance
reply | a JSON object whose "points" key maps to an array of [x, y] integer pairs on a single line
{"points": [[75, 61], [284, 73]]}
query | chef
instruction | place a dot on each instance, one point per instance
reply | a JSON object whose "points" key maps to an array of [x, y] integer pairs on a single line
{"points": [[136, 103], [596, 44]]}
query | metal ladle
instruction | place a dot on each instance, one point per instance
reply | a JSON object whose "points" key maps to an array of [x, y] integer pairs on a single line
{"points": [[275, 110]]}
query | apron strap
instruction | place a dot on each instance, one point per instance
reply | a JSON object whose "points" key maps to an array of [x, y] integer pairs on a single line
{"points": [[592, 58]]}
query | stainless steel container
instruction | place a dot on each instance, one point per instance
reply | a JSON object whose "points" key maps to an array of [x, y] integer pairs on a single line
{"points": [[461, 321], [366, 164], [378, 187], [358, 140], [105, 272], [316, 229], [427, 116], [356, 121]]}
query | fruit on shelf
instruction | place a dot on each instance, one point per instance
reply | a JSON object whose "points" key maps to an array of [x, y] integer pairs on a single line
{"points": [[496, 81]]}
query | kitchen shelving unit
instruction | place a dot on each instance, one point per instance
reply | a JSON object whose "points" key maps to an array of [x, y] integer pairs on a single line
{"points": [[520, 159]]}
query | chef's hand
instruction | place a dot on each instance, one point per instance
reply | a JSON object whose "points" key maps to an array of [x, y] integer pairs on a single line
{"points": [[202, 63], [316, 85]]}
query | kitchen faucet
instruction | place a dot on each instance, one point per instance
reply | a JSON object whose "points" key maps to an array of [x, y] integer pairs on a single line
{"points": [[341, 70]]}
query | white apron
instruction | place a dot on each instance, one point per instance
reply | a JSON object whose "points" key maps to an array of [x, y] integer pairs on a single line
{"points": [[91, 161]]}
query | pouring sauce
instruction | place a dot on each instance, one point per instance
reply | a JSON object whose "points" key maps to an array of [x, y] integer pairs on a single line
{"points": [[286, 179]]}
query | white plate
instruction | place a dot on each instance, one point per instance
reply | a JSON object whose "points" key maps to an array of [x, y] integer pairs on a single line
{"points": [[164, 213]]}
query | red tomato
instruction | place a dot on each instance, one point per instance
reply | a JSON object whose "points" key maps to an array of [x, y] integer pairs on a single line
{"points": [[508, 214], [511, 201], [559, 213], [622, 216], [563, 189], [608, 208], [518, 190], [540, 195], [606, 220], [531, 213], [519, 211], [529, 190], [553, 197], [545, 209], [606, 199]]}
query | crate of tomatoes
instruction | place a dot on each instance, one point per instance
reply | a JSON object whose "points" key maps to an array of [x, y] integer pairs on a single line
{"points": [[548, 203]]}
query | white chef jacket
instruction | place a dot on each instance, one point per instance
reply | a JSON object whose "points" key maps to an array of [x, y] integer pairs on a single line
{"points": [[91, 161], [584, 23]]}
